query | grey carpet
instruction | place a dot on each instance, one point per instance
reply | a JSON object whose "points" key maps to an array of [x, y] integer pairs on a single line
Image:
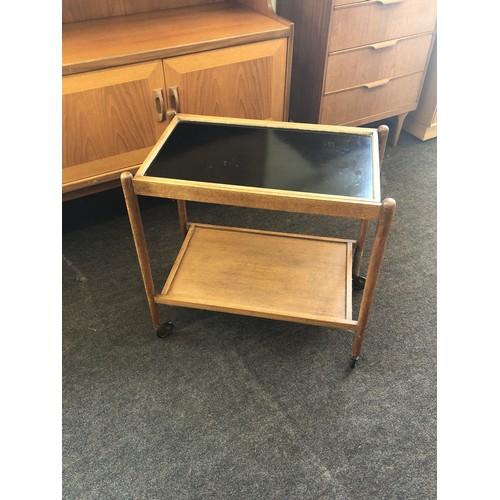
{"points": [[233, 407]]}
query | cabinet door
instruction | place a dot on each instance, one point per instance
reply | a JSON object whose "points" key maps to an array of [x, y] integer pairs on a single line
{"points": [[111, 119], [246, 81]]}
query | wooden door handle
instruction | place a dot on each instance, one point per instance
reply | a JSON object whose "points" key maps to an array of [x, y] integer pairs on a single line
{"points": [[173, 101], [159, 104]]}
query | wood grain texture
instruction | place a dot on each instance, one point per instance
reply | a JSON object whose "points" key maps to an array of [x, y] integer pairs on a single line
{"points": [[358, 47], [140, 244], [374, 266], [183, 220], [115, 41], [84, 174], [272, 275], [114, 79], [258, 198], [78, 10], [91, 188], [354, 67], [101, 120], [367, 103], [372, 22], [263, 6], [244, 82]]}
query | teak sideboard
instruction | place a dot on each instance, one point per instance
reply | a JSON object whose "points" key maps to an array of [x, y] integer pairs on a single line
{"points": [[129, 66], [357, 62]]}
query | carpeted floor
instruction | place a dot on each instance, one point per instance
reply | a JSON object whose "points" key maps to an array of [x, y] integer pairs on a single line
{"points": [[233, 407]]}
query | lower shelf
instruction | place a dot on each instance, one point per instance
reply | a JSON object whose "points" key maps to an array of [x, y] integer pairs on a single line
{"points": [[304, 279]]}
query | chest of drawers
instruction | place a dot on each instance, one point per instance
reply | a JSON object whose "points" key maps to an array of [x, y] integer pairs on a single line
{"points": [[358, 61]]}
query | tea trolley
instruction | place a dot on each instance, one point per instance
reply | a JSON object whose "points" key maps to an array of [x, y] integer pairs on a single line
{"points": [[296, 167]]}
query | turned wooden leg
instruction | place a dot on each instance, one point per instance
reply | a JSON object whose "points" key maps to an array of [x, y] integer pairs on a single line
{"points": [[383, 134], [358, 280], [140, 245], [181, 209], [374, 265]]}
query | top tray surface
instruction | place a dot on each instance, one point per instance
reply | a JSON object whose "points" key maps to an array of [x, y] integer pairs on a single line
{"points": [[313, 161]]}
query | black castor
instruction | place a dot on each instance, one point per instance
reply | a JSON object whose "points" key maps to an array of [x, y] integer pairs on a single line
{"points": [[165, 330], [354, 361], [358, 282]]}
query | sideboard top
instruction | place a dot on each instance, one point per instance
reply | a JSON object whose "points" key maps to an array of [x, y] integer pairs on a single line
{"points": [[84, 10], [113, 41]]}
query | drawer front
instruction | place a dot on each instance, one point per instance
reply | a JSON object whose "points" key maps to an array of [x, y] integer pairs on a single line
{"points": [[370, 100], [375, 21], [375, 62]]}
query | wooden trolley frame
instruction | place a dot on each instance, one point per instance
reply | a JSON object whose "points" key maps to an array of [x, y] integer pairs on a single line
{"points": [[252, 272]]}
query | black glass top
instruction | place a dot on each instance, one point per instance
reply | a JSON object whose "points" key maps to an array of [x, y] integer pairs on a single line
{"points": [[276, 158]]}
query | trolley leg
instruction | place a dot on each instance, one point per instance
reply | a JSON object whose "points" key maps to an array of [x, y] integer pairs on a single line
{"points": [[141, 248], [358, 281], [383, 134], [374, 265], [181, 209]]}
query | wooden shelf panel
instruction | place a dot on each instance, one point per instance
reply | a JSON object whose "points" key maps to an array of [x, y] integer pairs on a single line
{"points": [[103, 43], [282, 276]]}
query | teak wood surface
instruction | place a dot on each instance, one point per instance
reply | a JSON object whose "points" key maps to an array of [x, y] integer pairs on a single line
{"points": [[223, 83], [373, 21], [78, 10], [123, 59], [273, 275], [96, 142], [113, 41], [376, 62], [358, 62]]}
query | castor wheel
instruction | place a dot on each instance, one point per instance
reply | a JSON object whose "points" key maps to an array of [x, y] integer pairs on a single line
{"points": [[354, 361], [165, 330], [358, 282]]}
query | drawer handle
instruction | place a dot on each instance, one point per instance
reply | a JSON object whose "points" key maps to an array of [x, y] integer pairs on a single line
{"points": [[384, 45], [389, 2], [173, 102], [159, 104], [378, 83]]}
